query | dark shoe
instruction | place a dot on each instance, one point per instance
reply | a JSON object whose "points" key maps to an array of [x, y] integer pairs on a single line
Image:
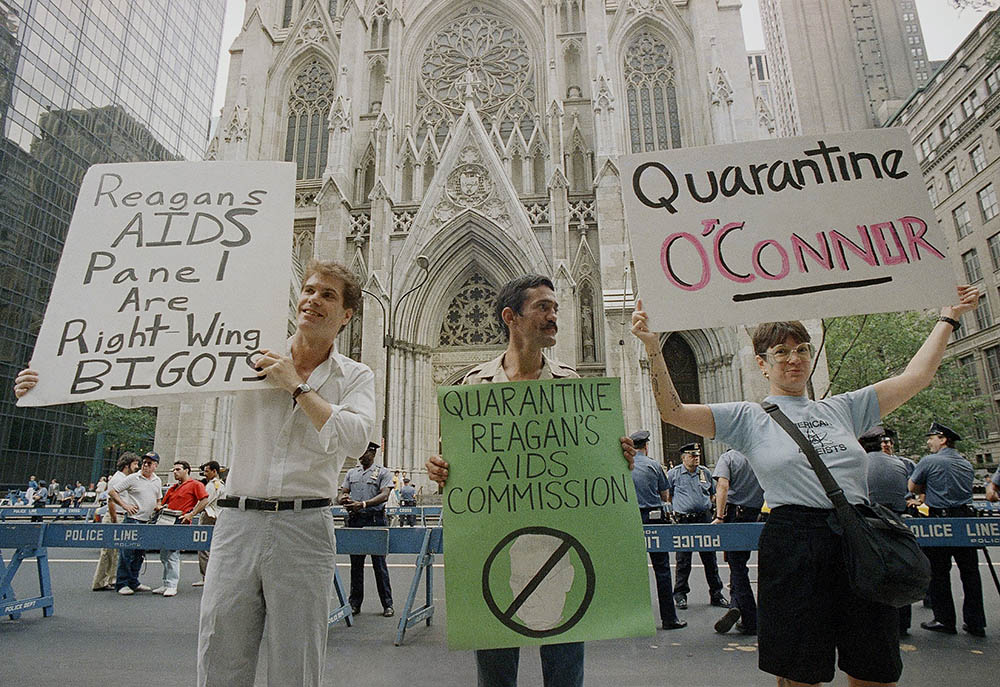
{"points": [[681, 601], [726, 622], [746, 630], [675, 625], [974, 631], [935, 626], [388, 612], [720, 601], [355, 610], [105, 588]]}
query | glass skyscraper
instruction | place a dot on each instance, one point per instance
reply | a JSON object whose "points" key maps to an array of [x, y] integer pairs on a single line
{"points": [[81, 82]]}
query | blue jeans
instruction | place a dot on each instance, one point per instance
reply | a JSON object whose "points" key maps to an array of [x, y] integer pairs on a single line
{"points": [[562, 666], [129, 564], [171, 568]]}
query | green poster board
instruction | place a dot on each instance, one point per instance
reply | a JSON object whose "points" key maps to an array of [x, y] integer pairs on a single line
{"points": [[543, 538]]}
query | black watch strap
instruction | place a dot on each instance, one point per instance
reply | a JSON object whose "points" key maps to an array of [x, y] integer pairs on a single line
{"points": [[955, 324]]}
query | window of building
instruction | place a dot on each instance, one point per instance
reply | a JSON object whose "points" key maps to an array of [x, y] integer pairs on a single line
{"points": [[932, 194], [970, 262], [988, 202], [994, 243], [954, 180], [992, 82], [968, 365], [651, 97], [917, 52], [927, 145], [992, 355], [963, 223], [984, 316], [309, 102], [948, 125], [978, 158], [970, 104]]}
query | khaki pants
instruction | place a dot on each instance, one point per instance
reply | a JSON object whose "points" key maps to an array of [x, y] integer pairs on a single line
{"points": [[267, 567], [107, 565], [206, 519]]}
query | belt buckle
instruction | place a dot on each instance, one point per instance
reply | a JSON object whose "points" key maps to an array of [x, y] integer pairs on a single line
{"points": [[270, 502]]}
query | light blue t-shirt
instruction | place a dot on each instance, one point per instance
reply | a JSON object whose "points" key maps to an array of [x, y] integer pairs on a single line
{"points": [[832, 425], [947, 478], [690, 492], [744, 489]]}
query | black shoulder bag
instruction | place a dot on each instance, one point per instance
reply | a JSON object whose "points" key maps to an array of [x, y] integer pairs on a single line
{"points": [[884, 563]]}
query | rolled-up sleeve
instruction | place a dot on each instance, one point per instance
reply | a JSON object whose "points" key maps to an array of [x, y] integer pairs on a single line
{"points": [[352, 421]]}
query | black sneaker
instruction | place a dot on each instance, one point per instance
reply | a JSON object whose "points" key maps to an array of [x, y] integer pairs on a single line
{"points": [[387, 612], [726, 622], [355, 610], [720, 601], [681, 601]]}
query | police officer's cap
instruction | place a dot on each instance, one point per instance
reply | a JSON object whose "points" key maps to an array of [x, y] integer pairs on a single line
{"points": [[372, 446], [153, 456], [691, 448], [946, 432], [640, 438], [876, 432], [889, 433]]}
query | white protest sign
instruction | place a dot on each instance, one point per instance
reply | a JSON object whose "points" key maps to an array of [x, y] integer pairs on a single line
{"points": [[171, 274], [791, 228]]}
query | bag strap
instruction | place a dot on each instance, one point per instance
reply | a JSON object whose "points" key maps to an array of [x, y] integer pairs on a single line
{"points": [[833, 490]]}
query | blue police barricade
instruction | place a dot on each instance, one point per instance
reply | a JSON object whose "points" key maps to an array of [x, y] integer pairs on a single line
{"points": [[18, 512]]}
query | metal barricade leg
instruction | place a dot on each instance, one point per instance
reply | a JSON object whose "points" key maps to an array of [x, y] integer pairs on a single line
{"points": [[411, 616], [342, 609], [9, 604]]}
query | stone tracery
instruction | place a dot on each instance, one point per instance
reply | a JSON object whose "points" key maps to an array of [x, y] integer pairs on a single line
{"points": [[469, 319]]}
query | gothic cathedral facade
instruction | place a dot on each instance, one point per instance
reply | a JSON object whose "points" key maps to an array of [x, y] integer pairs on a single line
{"points": [[482, 135]]}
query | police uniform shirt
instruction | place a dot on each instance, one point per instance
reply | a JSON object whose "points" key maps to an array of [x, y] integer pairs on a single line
{"points": [[947, 478], [364, 485], [649, 481], [744, 489], [887, 477], [407, 493], [690, 492], [996, 477]]}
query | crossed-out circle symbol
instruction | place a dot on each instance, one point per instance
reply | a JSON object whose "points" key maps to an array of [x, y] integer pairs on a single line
{"points": [[506, 616]]}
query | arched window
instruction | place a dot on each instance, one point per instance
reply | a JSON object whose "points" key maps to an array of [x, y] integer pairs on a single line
{"points": [[406, 192], [379, 27], [308, 110], [469, 320], [517, 171], [653, 120]]}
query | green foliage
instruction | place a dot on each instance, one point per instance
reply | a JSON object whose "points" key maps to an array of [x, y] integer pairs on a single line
{"points": [[131, 429], [864, 349]]}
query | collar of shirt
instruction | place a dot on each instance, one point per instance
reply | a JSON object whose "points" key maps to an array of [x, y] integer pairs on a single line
{"points": [[493, 371]]}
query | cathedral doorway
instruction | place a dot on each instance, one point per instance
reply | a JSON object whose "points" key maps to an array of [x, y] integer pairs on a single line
{"points": [[683, 368]]}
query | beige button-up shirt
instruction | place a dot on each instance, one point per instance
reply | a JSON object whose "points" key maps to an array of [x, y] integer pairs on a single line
{"points": [[492, 371]]}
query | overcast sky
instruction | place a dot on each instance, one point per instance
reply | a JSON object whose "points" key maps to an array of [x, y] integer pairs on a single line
{"points": [[944, 28]]}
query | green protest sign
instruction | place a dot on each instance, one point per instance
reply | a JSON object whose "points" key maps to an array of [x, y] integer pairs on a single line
{"points": [[543, 538]]}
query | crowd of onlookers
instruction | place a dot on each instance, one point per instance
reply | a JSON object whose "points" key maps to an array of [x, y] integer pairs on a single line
{"points": [[69, 494]]}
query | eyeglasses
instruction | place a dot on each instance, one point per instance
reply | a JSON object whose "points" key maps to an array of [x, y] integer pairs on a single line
{"points": [[780, 354]]}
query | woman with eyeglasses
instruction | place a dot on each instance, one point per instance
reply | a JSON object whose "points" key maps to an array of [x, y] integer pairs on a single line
{"points": [[807, 615]]}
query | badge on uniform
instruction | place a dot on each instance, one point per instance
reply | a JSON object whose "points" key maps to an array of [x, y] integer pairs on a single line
{"points": [[701, 476], [655, 514]]}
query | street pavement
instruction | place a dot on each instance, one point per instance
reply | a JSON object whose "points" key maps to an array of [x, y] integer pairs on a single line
{"points": [[96, 639]]}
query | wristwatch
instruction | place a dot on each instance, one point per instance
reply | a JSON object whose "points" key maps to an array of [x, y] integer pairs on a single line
{"points": [[955, 324], [301, 389]]}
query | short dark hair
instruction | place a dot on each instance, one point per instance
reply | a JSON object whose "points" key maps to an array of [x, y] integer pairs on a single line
{"points": [[184, 464], [213, 464], [774, 333], [127, 459], [329, 268], [513, 294]]}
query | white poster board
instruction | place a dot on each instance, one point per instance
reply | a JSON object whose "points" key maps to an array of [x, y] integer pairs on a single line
{"points": [[791, 228], [171, 274]]}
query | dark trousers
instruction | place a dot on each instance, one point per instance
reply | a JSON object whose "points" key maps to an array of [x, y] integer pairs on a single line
{"points": [[357, 594], [562, 666], [739, 574], [707, 559], [129, 564], [661, 571], [967, 560]]}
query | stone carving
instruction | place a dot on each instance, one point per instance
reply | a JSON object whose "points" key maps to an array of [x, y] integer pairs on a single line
{"points": [[469, 320], [313, 32]]}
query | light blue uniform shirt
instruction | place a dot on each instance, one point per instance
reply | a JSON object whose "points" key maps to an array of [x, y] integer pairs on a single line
{"points": [[364, 485], [832, 425], [946, 477], [887, 477], [690, 492], [744, 489], [407, 493], [649, 481]]}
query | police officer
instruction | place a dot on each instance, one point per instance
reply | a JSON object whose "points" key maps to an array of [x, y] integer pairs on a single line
{"points": [[993, 487], [651, 491], [945, 477], [888, 477], [690, 491], [738, 498], [407, 499], [364, 493]]}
